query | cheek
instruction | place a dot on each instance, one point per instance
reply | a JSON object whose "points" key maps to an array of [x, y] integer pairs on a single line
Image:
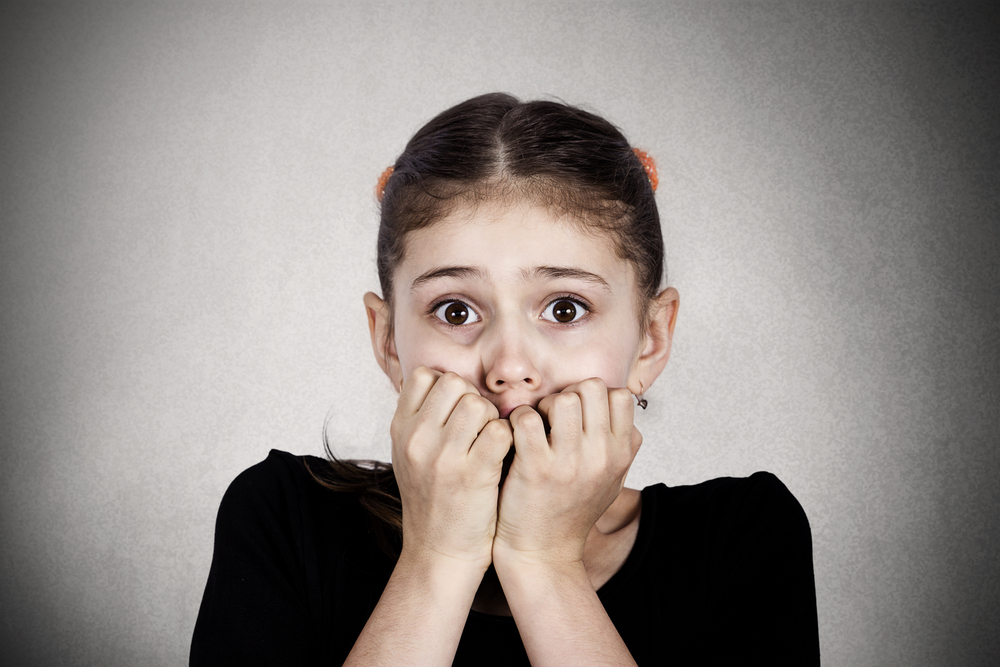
{"points": [[612, 368], [609, 351], [418, 346], [610, 358]]}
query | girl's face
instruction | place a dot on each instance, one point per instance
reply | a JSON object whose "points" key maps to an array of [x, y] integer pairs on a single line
{"points": [[521, 304]]}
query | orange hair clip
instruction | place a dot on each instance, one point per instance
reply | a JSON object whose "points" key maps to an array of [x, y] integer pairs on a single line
{"points": [[382, 180], [649, 164]]}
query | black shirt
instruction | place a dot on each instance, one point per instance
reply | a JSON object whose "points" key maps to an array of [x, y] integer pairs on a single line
{"points": [[721, 573]]}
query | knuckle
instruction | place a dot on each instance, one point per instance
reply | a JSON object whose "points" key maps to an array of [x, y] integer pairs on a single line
{"points": [[475, 407], [453, 381], [422, 374], [526, 418], [620, 400], [486, 409], [497, 431], [413, 452], [491, 410], [468, 403], [620, 395], [395, 430], [566, 401]]}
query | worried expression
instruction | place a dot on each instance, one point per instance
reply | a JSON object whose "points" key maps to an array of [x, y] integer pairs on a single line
{"points": [[521, 304]]}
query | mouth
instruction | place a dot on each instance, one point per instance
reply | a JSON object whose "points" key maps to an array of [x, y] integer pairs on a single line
{"points": [[506, 412], [506, 408]]}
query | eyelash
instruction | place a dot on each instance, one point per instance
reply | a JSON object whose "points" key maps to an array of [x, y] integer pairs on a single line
{"points": [[432, 311], [587, 310]]}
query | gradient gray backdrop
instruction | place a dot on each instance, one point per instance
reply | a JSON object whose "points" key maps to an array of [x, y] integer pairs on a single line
{"points": [[188, 227]]}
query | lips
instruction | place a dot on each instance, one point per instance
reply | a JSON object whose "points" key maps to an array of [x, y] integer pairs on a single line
{"points": [[508, 401], [506, 410], [505, 414]]}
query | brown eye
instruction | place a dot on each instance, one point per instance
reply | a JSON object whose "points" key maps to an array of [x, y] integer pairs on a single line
{"points": [[456, 313], [563, 311]]}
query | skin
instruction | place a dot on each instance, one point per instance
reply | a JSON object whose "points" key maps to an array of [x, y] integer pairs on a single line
{"points": [[543, 351]]}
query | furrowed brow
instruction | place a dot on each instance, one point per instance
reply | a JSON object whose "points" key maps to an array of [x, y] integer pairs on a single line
{"points": [[557, 272], [447, 272]]}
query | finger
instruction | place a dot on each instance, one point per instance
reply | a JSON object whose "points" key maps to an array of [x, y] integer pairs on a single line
{"points": [[492, 444], [529, 433], [622, 412], [564, 412], [593, 395], [415, 389], [444, 396], [470, 416]]}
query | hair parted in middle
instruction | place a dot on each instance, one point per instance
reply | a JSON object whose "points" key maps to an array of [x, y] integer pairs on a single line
{"points": [[495, 148]]}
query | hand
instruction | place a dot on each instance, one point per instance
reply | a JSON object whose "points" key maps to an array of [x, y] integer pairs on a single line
{"points": [[448, 447], [559, 485]]}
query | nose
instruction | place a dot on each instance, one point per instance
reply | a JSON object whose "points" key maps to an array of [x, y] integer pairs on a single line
{"points": [[507, 359]]}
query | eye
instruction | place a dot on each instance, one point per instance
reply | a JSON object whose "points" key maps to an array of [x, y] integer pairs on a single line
{"points": [[456, 313], [564, 311]]}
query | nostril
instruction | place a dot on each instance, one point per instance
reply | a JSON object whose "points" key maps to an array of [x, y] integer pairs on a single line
{"points": [[499, 382]]}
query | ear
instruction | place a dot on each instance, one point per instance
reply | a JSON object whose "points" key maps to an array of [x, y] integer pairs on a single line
{"points": [[380, 329], [659, 334]]}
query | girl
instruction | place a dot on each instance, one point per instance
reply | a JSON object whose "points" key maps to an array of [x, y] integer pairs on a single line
{"points": [[520, 261]]}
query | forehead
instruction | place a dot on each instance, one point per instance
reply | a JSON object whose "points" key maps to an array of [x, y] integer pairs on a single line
{"points": [[508, 241]]}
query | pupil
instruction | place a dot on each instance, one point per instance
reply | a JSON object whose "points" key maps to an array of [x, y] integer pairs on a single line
{"points": [[564, 311], [456, 313]]}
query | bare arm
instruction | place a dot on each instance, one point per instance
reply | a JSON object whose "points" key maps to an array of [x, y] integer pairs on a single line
{"points": [[421, 614], [448, 450], [560, 617], [558, 487]]}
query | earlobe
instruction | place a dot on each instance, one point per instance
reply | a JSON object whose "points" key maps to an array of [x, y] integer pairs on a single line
{"points": [[658, 338], [380, 330]]}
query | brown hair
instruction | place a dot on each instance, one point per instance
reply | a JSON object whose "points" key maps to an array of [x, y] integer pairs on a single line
{"points": [[495, 148]]}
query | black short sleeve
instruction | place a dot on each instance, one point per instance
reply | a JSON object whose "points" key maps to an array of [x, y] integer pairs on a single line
{"points": [[256, 609], [720, 574]]}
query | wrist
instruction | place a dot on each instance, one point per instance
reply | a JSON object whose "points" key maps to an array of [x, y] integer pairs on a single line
{"points": [[430, 563], [506, 555], [440, 581], [514, 567]]}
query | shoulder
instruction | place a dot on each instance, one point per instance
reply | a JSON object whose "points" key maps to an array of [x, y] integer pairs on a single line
{"points": [[281, 491], [279, 476], [285, 545], [730, 499], [732, 515], [736, 555], [279, 470]]}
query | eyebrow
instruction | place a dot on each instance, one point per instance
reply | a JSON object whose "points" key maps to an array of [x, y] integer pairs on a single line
{"points": [[544, 272], [557, 272], [447, 272]]}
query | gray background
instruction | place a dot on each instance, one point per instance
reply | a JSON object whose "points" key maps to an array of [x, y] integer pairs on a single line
{"points": [[188, 226]]}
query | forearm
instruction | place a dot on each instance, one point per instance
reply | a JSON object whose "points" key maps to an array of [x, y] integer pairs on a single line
{"points": [[420, 617], [559, 616]]}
